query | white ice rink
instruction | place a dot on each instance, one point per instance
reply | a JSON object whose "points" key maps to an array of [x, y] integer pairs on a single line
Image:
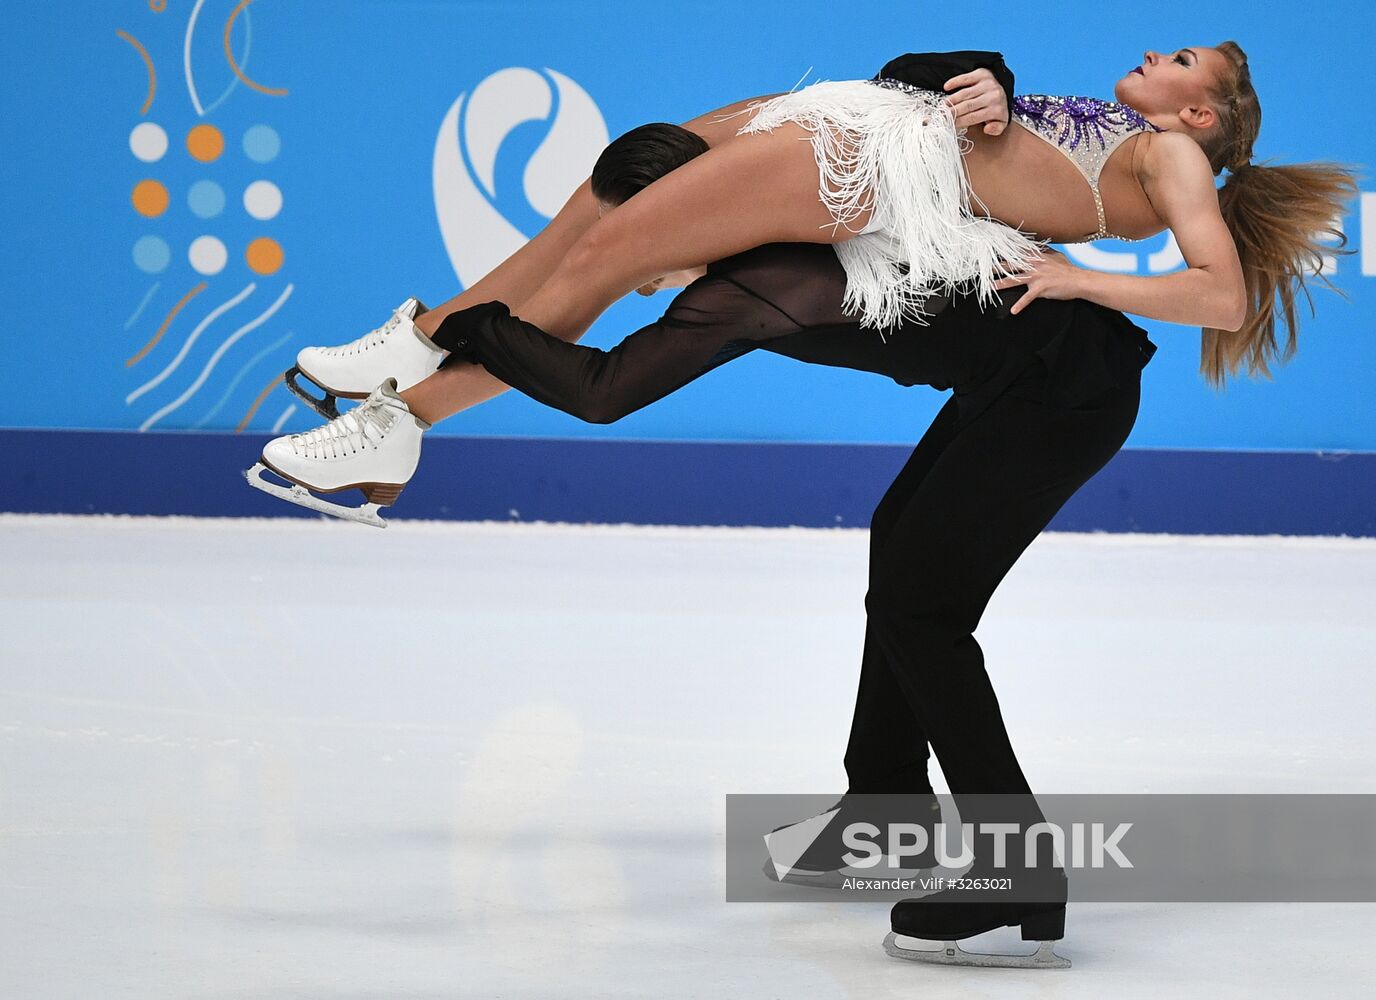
{"points": [[257, 759]]}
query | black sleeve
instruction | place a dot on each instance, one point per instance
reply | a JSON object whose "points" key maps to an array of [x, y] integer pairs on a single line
{"points": [[785, 298], [711, 322], [931, 70]]}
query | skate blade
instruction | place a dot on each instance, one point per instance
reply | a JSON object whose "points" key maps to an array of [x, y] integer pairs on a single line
{"points": [[365, 514], [951, 953], [326, 405]]}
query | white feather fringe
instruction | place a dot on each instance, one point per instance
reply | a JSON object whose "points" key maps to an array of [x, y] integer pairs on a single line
{"points": [[898, 152]]}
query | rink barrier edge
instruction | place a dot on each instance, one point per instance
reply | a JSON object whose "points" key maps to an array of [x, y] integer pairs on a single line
{"points": [[765, 484]]}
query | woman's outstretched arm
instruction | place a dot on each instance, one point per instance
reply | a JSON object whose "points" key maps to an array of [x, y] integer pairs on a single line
{"points": [[1210, 292]]}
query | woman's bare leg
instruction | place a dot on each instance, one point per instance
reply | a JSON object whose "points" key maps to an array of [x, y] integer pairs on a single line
{"points": [[743, 193], [514, 280], [748, 191], [521, 274], [519, 277]]}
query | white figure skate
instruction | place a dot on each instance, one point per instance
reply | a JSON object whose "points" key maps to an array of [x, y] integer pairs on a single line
{"points": [[396, 350], [375, 447]]}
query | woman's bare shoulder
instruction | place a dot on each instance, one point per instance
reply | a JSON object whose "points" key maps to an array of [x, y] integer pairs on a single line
{"points": [[1178, 181], [1162, 154]]}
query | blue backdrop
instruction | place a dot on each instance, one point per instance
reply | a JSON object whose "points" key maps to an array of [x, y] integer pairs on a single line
{"points": [[195, 189]]}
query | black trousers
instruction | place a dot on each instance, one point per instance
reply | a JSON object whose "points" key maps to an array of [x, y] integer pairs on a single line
{"points": [[967, 504]]}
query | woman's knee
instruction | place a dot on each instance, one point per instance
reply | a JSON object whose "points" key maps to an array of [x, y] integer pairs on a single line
{"points": [[593, 248], [599, 268]]}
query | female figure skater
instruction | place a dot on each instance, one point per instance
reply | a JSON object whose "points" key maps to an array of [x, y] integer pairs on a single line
{"points": [[976, 491], [892, 173]]}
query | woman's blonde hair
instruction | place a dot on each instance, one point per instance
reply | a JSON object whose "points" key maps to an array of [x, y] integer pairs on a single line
{"points": [[1276, 214]]}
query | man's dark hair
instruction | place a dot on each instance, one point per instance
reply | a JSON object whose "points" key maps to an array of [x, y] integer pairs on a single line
{"points": [[640, 157]]}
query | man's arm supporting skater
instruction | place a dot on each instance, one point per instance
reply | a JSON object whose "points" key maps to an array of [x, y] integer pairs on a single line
{"points": [[783, 298]]}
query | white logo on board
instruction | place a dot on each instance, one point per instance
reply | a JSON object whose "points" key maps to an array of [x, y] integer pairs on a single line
{"points": [[477, 234], [1167, 258]]}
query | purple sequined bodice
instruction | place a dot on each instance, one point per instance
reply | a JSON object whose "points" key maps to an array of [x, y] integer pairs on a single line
{"points": [[1086, 129]]}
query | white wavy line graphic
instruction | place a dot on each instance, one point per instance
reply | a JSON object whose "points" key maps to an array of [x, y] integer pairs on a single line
{"points": [[215, 314], [242, 60], [186, 58], [239, 377], [252, 324], [277, 426]]}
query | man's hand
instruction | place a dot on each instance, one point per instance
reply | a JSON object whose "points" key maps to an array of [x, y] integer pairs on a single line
{"points": [[977, 99]]}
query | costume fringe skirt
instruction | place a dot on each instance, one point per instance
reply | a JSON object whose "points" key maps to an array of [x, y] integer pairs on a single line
{"points": [[895, 149]]}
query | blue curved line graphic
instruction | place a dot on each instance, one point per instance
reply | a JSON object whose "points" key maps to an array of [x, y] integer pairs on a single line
{"points": [[234, 382], [283, 418], [243, 61], [215, 314], [252, 324], [147, 298]]}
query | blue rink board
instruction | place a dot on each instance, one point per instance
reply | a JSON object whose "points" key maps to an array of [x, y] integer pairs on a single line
{"points": [[401, 170], [686, 483]]}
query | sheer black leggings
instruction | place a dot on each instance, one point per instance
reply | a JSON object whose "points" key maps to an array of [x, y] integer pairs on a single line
{"points": [[966, 505]]}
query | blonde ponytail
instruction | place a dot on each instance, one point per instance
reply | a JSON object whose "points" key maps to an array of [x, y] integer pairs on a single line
{"points": [[1278, 215]]}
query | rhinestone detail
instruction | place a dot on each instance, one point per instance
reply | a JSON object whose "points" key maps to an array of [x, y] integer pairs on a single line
{"points": [[1087, 130]]}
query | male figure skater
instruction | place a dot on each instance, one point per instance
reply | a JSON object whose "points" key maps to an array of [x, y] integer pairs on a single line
{"points": [[1042, 399]]}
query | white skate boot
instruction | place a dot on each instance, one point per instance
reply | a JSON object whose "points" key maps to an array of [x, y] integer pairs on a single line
{"points": [[396, 350], [375, 447]]}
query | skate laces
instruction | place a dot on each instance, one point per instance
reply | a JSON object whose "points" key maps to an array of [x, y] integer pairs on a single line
{"points": [[347, 434], [369, 340]]}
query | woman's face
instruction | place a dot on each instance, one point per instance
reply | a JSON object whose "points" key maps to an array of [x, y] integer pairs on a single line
{"points": [[1173, 85]]}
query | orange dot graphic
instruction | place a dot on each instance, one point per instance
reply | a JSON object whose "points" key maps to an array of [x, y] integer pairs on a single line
{"points": [[264, 255], [150, 198], [205, 143]]}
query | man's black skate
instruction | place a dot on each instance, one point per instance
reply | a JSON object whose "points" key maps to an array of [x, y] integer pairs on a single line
{"points": [[822, 864]]}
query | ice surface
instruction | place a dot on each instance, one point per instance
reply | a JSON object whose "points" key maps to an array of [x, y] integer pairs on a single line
{"points": [[293, 759]]}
